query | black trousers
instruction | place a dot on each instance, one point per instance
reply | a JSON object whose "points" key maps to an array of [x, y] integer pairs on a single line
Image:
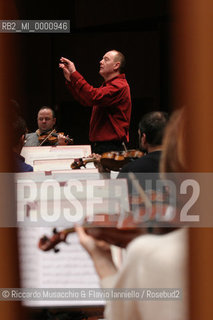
{"points": [[106, 146]]}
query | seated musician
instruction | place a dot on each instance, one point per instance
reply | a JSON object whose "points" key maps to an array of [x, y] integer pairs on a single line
{"points": [[151, 129], [18, 137], [46, 121], [146, 169]]}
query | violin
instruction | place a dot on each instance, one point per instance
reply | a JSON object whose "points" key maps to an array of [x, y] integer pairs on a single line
{"points": [[46, 243], [113, 160], [103, 220], [107, 224], [81, 162], [116, 160], [110, 228], [52, 138]]}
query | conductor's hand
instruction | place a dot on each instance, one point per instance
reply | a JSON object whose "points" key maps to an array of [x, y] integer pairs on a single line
{"points": [[68, 67], [99, 251]]}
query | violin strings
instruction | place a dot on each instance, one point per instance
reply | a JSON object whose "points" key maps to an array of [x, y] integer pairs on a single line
{"points": [[47, 137]]}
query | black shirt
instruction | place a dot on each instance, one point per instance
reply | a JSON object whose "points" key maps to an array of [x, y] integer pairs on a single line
{"points": [[146, 170], [148, 163]]}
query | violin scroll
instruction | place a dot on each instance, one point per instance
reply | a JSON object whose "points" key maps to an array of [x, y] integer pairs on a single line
{"points": [[47, 243], [81, 162]]}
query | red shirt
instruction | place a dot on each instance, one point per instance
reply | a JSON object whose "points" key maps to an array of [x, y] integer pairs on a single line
{"points": [[111, 104]]}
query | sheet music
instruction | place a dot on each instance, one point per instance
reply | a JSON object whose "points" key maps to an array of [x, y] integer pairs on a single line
{"points": [[59, 152], [56, 164], [80, 174], [40, 203], [63, 175], [60, 175], [72, 266], [69, 268]]}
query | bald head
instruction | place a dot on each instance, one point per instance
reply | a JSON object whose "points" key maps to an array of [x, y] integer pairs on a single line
{"points": [[119, 57], [112, 64]]}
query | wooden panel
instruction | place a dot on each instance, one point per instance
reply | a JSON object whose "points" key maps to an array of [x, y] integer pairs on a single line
{"points": [[193, 65], [9, 276]]}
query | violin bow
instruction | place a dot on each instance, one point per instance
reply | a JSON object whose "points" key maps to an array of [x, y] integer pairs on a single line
{"points": [[125, 148], [47, 137]]}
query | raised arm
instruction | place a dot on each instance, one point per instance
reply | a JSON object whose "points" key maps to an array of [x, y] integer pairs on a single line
{"points": [[68, 67], [84, 92]]}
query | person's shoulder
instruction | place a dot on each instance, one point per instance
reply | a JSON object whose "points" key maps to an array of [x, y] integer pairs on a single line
{"points": [[152, 239], [129, 167], [27, 167], [31, 134], [20, 164], [161, 245], [154, 155], [139, 165], [119, 81], [31, 140]]}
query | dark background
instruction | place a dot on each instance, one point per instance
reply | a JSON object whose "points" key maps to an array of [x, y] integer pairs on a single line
{"points": [[139, 29]]}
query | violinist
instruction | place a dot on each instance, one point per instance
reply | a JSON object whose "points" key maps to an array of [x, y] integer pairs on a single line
{"points": [[46, 121], [19, 129], [151, 131]]}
